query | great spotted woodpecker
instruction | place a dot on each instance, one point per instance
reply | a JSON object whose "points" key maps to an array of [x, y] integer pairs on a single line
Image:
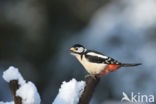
{"points": [[96, 63]]}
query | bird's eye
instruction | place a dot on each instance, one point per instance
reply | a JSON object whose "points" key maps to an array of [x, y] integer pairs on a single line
{"points": [[76, 49]]}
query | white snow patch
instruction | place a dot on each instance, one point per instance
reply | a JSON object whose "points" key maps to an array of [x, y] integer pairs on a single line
{"points": [[29, 94], [70, 92], [6, 102], [27, 91], [12, 73]]}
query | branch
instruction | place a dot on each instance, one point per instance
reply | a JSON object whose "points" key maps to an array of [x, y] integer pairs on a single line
{"points": [[13, 85], [91, 83]]}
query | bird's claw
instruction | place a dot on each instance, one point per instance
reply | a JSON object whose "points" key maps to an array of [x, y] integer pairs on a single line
{"points": [[90, 75]]}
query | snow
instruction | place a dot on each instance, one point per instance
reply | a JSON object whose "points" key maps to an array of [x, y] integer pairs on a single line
{"points": [[27, 91], [12, 73], [6, 102], [70, 92]]}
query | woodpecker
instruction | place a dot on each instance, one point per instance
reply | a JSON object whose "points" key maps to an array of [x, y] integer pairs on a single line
{"points": [[96, 63]]}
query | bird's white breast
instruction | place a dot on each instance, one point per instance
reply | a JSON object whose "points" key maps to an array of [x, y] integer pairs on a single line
{"points": [[92, 68]]}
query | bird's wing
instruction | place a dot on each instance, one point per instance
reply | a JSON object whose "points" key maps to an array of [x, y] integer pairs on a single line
{"points": [[96, 57]]}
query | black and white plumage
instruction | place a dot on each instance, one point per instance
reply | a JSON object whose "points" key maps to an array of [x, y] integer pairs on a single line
{"points": [[97, 57], [95, 62]]}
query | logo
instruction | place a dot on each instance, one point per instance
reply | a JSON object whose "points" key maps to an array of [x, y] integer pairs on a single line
{"points": [[137, 98]]}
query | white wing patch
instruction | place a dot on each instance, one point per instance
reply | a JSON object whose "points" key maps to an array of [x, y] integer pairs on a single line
{"points": [[98, 55], [92, 68]]}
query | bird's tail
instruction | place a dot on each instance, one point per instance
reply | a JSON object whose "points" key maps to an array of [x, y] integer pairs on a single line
{"points": [[129, 65]]}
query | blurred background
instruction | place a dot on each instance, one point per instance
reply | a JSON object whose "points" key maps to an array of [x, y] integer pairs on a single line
{"points": [[35, 36]]}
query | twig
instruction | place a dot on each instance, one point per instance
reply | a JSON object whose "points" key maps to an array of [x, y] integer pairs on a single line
{"points": [[91, 83], [13, 85]]}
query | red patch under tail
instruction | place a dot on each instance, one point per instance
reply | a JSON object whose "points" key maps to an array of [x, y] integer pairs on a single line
{"points": [[109, 68]]}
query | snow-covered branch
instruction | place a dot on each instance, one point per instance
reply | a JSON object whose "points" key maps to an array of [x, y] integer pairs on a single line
{"points": [[91, 83], [23, 92], [14, 86], [72, 92], [77, 92]]}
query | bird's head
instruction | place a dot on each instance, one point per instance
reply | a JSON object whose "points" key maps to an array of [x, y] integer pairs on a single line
{"points": [[77, 49]]}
